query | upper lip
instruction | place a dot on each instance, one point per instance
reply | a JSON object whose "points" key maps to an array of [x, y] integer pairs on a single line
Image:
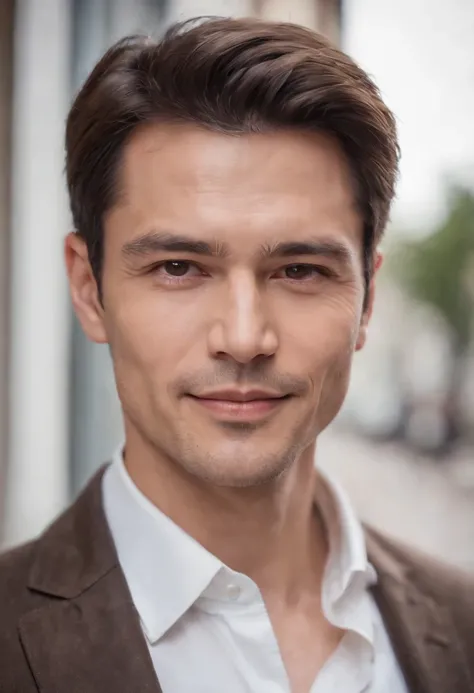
{"points": [[240, 395]]}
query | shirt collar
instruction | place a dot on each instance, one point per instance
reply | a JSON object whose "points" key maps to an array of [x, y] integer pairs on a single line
{"points": [[348, 559], [167, 571], [345, 598]]}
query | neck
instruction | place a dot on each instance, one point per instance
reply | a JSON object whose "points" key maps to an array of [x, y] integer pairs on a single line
{"points": [[271, 533]]}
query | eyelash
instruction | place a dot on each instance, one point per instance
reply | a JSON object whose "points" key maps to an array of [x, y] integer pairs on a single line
{"points": [[176, 280], [319, 271]]}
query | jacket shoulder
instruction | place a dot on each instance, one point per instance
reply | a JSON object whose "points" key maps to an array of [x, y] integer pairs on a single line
{"points": [[15, 566], [431, 568], [448, 585], [15, 600]]}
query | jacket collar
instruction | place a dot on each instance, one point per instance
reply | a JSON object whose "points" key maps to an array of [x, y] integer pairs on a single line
{"points": [[417, 618], [77, 550], [87, 636]]}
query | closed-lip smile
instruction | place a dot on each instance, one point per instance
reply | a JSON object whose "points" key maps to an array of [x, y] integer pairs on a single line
{"points": [[242, 405], [230, 395]]}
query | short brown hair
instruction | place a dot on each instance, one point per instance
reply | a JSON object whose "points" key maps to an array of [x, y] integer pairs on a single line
{"points": [[232, 76]]}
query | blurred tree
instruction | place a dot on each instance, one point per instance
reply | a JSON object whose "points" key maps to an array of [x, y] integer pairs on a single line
{"points": [[436, 270]]}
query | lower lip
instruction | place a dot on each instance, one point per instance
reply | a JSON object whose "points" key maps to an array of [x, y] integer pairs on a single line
{"points": [[246, 411]]}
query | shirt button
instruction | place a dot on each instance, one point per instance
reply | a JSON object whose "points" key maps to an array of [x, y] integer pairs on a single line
{"points": [[233, 592]]}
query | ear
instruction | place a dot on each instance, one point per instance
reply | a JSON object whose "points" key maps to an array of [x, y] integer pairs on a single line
{"points": [[367, 314], [83, 289]]}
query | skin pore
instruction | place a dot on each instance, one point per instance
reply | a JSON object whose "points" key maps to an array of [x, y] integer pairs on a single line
{"points": [[233, 271]]}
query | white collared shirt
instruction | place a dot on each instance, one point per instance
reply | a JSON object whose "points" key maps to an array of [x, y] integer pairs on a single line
{"points": [[207, 627]]}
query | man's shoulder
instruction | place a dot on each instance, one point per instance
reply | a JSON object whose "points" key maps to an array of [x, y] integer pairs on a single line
{"points": [[15, 563], [446, 584], [16, 602], [15, 567]]}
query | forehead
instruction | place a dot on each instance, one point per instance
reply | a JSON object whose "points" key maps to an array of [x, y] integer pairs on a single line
{"points": [[234, 187]]}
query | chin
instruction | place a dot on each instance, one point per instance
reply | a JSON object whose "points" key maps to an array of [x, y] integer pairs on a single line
{"points": [[258, 478], [241, 469]]}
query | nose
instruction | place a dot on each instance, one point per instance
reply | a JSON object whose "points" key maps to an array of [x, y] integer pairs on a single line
{"points": [[242, 331]]}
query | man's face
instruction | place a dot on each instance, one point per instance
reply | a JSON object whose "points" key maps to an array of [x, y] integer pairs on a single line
{"points": [[232, 296]]}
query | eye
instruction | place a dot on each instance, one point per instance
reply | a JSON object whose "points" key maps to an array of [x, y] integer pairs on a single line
{"points": [[176, 268], [301, 272], [176, 271]]}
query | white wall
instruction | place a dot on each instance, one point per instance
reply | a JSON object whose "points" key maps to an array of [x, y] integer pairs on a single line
{"points": [[6, 41], [421, 53], [39, 329], [303, 12], [185, 9]]}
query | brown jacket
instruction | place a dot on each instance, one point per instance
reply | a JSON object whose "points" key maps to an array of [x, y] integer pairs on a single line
{"points": [[68, 625]]}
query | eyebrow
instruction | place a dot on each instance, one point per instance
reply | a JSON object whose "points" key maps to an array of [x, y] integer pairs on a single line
{"points": [[156, 242], [325, 248]]}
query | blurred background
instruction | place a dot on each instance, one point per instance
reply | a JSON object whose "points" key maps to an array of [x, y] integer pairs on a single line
{"points": [[403, 445]]}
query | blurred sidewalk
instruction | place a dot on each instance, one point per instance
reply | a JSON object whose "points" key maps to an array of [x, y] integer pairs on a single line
{"points": [[421, 501]]}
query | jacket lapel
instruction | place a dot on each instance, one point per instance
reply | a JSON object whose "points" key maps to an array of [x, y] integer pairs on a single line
{"points": [[87, 636], [419, 626]]}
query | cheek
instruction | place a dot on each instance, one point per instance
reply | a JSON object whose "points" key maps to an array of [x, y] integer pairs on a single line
{"points": [[152, 334], [323, 335], [329, 345]]}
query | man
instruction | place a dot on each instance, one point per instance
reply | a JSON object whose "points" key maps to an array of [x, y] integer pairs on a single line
{"points": [[229, 188]]}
